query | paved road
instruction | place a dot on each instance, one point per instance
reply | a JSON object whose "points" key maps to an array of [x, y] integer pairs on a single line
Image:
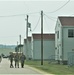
{"points": [[5, 69]]}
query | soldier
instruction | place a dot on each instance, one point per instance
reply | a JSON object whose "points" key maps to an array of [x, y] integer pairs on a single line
{"points": [[11, 60], [16, 59], [22, 59], [0, 58]]}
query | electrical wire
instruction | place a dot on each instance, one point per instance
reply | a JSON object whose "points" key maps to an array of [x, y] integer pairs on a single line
{"points": [[32, 13], [20, 14], [59, 7], [46, 23], [28, 9], [14, 15], [8, 36], [49, 17], [36, 24]]}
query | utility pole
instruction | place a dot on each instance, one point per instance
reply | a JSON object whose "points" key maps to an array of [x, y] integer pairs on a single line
{"points": [[20, 42], [17, 43], [27, 27], [17, 46], [41, 37], [27, 37]]}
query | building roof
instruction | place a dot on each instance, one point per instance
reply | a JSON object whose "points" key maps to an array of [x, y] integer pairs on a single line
{"points": [[66, 21], [45, 36]]}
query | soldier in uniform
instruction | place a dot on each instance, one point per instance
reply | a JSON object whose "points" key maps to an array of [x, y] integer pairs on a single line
{"points": [[11, 60], [0, 58], [22, 59], [16, 59]]}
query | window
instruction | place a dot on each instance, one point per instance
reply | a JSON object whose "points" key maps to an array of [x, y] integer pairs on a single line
{"points": [[58, 34], [71, 33]]}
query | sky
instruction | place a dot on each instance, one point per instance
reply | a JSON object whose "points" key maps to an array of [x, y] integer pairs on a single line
{"points": [[13, 17]]}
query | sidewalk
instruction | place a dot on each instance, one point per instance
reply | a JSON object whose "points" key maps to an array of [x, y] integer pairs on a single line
{"points": [[5, 69]]}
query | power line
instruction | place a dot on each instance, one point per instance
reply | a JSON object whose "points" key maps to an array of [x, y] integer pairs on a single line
{"points": [[60, 7], [32, 13], [8, 36], [49, 17], [19, 14], [26, 6], [46, 22], [36, 24], [13, 15]]}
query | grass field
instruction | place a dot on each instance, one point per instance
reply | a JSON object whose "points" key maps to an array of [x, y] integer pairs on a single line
{"points": [[52, 68], [6, 51]]}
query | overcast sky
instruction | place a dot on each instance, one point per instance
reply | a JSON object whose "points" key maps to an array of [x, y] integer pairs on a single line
{"points": [[13, 17]]}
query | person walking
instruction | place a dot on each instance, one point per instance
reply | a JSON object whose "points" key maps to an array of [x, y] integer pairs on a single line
{"points": [[16, 59], [0, 58], [22, 59], [11, 60]]}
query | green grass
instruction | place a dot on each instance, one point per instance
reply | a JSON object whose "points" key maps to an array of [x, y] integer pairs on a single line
{"points": [[52, 68], [6, 51]]}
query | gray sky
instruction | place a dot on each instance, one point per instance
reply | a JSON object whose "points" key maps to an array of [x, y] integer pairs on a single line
{"points": [[13, 15]]}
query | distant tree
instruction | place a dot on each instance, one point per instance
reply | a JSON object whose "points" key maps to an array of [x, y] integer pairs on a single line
{"points": [[2, 55]]}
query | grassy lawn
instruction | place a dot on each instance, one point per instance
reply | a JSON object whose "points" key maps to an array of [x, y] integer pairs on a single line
{"points": [[52, 68]]}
